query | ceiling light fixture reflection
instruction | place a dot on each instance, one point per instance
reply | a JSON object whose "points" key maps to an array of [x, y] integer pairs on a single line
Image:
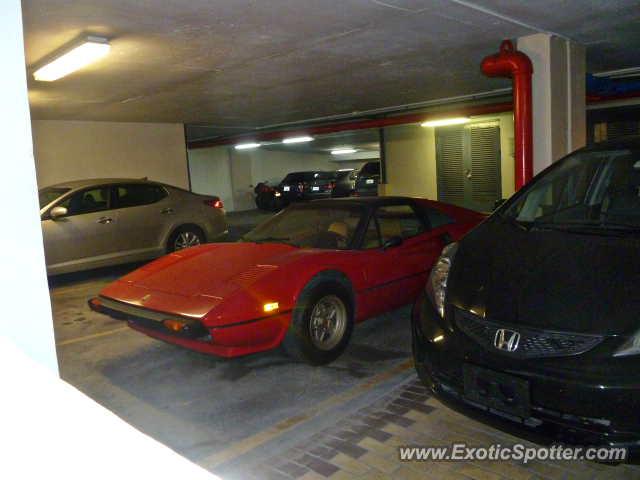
{"points": [[344, 150], [297, 139], [247, 145], [73, 58], [448, 121]]}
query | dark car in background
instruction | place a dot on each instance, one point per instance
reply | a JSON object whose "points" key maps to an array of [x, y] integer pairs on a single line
{"points": [[345, 184], [367, 180], [531, 321], [297, 186]]}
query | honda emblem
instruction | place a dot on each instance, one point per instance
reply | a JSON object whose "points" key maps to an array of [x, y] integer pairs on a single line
{"points": [[506, 340]]}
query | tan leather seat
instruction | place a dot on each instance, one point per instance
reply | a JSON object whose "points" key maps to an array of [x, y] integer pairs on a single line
{"points": [[389, 227], [340, 228]]}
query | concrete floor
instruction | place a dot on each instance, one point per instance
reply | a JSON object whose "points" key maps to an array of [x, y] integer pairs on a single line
{"points": [[263, 416]]}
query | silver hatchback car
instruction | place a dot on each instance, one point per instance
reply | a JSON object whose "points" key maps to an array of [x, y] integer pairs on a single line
{"points": [[101, 222]]}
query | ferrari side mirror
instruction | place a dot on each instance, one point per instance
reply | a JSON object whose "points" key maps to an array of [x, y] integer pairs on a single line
{"points": [[391, 243], [498, 203]]}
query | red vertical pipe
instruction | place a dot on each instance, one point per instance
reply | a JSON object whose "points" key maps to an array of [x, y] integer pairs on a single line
{"points": [[516, 65]]}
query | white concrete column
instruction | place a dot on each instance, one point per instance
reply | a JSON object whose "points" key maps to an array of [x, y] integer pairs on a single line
{"points": [[25, 307], [559, 108]]}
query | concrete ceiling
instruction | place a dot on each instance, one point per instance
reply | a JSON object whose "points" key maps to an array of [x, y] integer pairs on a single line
{"points": [[227, 67]]}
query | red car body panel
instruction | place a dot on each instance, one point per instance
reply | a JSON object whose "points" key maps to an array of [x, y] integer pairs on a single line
{"points": [[226, 286]]}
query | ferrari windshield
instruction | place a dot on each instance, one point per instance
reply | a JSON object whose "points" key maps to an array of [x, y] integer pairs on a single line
{"points": [[599, 189], [330, 225]]}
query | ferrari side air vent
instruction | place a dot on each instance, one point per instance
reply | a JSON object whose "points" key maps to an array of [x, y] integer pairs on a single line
{"points": [[161, 263], [251, 275]]}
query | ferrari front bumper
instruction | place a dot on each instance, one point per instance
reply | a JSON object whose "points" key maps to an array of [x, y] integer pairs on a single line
{"points": [[225, 340]]}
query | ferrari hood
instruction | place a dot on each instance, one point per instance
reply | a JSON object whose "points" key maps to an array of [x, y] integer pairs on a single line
{"points": [[548, 279], [215, 270]]}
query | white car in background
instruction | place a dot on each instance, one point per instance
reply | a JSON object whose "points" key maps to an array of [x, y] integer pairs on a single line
{"points": [[102, 222]]}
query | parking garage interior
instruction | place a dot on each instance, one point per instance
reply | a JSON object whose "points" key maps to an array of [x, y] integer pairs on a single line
{"points": [[157, 409]]}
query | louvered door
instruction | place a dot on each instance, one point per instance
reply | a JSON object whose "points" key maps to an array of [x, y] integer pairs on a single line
{"points": [[468, 165]]}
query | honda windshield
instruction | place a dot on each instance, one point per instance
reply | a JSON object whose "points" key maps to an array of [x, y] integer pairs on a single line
{"points": [[590, 189]]}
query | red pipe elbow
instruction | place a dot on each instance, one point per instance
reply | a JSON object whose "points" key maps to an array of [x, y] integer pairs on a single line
{"points": [[507, 63], [517, 66]]}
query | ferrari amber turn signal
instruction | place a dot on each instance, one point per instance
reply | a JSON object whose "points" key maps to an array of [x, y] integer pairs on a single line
{"points": [[173, 325], [270, 306]]}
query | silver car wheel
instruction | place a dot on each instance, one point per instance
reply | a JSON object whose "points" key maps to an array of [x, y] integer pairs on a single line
{"points": [[328, 322], [186, 239]]}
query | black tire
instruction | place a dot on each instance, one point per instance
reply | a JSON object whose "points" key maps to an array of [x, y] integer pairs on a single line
{"points": [[279, 204], [272, 205], [321, 323], [262, 202], [185, 236]]}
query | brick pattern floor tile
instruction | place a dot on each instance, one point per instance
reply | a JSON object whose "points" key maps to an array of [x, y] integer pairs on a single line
{"points": [[364, 446]]}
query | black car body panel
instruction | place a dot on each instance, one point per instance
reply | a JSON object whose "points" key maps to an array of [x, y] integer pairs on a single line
{"points": [[344, 184], [540, 306], [367, 180]]}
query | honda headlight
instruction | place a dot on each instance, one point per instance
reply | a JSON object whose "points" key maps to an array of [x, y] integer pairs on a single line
{"points": [[437, 284], [630, 347]]}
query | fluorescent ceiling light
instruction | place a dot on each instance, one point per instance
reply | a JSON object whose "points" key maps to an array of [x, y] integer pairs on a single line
{"points": [[89, 50], [297, 139], [247, 145], [449, 121], [344, 150]]}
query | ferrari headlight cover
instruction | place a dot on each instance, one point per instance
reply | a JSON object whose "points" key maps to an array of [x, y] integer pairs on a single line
{"points": [[437, 284]]}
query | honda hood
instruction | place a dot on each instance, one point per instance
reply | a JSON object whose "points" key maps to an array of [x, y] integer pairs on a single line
{"points": [[548, 279]]}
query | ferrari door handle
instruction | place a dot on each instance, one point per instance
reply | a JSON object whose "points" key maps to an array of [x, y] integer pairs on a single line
{"points": [[166, 210], [105, 220]]}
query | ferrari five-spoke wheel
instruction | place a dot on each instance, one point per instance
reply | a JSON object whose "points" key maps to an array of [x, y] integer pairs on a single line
{"points": [[185, 237], [321, 323], [328, 322]]}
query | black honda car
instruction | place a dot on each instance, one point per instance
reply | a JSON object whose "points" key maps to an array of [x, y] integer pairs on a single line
{"points": [[531, 322]]}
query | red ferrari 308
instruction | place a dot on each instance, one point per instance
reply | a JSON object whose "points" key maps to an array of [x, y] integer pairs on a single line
{"points": [[301, 279]]}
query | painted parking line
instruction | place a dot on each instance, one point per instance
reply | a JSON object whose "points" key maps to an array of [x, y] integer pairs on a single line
{"points": [[287, 424], [90, 337]]}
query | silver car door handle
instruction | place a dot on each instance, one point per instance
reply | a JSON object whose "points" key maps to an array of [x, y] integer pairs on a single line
{"points": [[166, 210], [105, 220]]}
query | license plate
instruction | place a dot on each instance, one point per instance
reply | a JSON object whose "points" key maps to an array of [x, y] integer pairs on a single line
{"points": [[286, 189], [497, 390], [315, 189], [370, 180]]}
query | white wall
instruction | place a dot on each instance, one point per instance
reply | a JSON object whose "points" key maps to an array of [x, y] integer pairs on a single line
{"points": [[67, 151], [210, 173], [411, 159], [24, 294]]}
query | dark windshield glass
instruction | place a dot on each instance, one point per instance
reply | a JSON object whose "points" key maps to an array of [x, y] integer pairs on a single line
{"points": [[313, 226], [49, 194], [300, 177], [371, 168], [588, 188]]}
